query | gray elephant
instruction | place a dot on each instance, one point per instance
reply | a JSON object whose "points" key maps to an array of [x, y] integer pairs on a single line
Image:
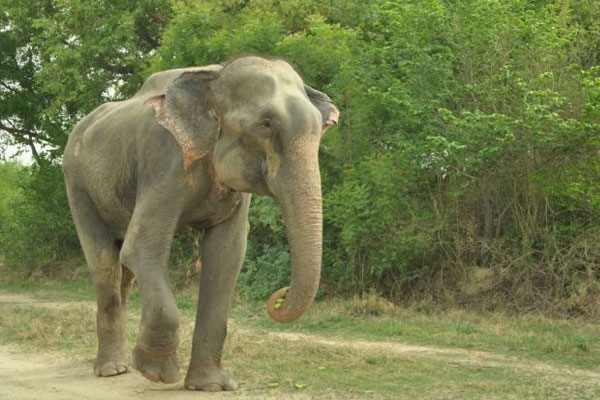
{"points": [[185, 152]]}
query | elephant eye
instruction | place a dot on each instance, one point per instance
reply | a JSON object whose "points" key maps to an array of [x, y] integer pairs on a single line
{"points": [[266, 123]]}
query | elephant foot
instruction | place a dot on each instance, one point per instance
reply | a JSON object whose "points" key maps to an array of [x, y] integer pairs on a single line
{"points": [[210, 381], [157, 368], [111, 361], [109, 368]]}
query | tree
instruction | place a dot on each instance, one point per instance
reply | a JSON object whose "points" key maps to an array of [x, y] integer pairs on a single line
{"points": [[58, 61], [468, 135]]}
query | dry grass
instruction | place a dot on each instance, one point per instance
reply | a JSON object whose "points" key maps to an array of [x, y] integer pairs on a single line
{"points": [[365, 348], [47, 328]]}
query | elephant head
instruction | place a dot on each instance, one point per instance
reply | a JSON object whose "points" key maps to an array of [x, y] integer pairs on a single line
{"points": [[260, 127]]}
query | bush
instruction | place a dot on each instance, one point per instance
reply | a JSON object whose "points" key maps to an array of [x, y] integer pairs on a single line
{"points": [[266, 268], [467, 142], [39, 228]]}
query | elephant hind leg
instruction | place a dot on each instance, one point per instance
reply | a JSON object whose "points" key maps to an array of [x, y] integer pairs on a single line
{"points": [[112, 287], [111, 283]]}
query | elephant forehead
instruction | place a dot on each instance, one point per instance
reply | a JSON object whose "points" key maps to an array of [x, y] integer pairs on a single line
{"points": [[264, 65], [249, 82], [251, 86]]}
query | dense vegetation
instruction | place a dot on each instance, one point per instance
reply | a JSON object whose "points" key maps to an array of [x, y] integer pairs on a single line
{"points": [[466, 165]]}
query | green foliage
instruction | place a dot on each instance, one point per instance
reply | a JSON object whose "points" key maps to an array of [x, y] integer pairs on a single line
{"points": [[384, 199], [468, 136], [38, 229], [58, 61], [10, 192], [61, 59], [211, 32], [319, 63], [266, 268], [185, 258], [478, 126]]}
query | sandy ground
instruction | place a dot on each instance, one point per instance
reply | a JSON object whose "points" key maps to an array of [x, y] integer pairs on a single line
{"points": [[27, 376], [42, 376], [50, 376]]}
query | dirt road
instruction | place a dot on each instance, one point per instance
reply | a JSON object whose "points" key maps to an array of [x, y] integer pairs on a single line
{"points": [[44, 376], [32, 375]]}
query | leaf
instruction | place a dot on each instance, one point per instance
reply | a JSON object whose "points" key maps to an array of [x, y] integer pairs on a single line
{"points": [[300, 386], [278, 304]]}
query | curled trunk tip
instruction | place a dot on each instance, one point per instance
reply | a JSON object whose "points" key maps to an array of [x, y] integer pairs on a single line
{"points": [[283, 308], [275, 306]]}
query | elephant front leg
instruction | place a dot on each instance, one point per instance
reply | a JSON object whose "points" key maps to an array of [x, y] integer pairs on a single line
{"points": [[223, 250], [146, 252], [155, 353]]}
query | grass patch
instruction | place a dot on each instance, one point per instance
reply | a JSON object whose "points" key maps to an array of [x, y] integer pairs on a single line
{"points": [[45, 329], [339, 353], [79, 289], [572, 342]]}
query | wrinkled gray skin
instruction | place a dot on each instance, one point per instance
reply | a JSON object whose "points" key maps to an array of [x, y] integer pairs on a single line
{"points": [[185, 152]]}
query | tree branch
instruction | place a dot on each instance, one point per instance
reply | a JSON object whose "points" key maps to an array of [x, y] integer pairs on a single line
{"points": [[34, 152], [16, 131], [119, 69], [24, 136], [8, 87]]}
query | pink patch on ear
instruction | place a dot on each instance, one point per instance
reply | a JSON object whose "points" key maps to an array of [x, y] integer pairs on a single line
{"points": [[156, 102], [332, 120], [333, 117], [191, 151], [160, 108]]}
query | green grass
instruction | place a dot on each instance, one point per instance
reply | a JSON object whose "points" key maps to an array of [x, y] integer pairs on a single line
{"points": [[80, 289], [572, 342], [342, 353]]}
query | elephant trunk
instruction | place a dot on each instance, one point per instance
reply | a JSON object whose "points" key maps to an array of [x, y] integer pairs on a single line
{"points": [[300, 201]]}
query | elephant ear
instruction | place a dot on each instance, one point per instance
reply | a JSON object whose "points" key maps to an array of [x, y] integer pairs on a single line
{"points": [[187, 111], [328, 110]]}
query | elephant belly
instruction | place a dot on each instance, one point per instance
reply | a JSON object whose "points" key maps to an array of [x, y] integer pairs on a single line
{"points": [[213, 211], [115, 214]]}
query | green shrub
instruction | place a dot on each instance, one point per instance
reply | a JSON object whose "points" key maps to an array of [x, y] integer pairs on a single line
{"points": [[39, 228]]}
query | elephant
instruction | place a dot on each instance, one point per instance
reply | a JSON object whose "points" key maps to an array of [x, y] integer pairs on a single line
{"points": [[187, 151]]}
